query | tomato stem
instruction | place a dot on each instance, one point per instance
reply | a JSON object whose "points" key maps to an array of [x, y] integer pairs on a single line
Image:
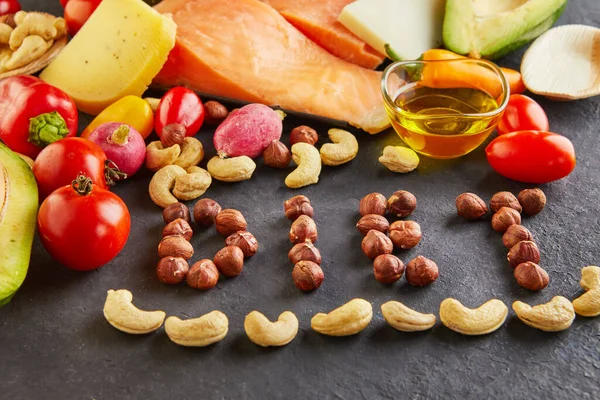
{"points": [[112, 174], [82, 185]]}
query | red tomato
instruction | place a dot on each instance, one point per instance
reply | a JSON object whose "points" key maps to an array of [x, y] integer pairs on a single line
{"points": [[60, 162], [179, 106], [522, 114], [77, 13], [82, 226], [64, 3], [9, 7], [531, 156]]}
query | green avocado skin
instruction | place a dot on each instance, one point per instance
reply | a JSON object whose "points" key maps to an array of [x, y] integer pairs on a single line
{"points": [[485, 37], [18, 219], [530, 36]]}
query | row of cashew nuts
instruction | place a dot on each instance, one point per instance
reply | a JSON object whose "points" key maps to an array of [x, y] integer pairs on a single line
{"points": [[354, 316], [177, 176]]}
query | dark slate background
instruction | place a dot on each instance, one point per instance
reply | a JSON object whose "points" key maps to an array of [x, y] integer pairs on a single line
{"points": [[55, 343]]}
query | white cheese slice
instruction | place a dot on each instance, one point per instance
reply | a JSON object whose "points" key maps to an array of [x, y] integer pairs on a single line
{"points": [[410, 27]]}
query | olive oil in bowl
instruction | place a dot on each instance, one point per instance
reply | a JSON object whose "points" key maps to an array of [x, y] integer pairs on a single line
{"points": [[442, 116]]}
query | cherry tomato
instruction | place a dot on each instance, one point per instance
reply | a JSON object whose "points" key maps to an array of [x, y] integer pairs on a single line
{"points": [[179, 106], [532, 156], [64, 3], [77, 13], [522, 114], [60, 162], [9, 7], [83, 226]]}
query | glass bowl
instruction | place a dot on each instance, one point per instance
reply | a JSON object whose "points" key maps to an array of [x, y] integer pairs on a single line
{"points": [[444, 109]]}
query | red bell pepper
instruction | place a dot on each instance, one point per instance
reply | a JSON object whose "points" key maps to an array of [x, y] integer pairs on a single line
{"points": [[179, 106], [9, 7], [34, 114]]}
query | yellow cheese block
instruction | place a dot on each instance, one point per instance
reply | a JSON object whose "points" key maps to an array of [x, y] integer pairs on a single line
{"points": [[117, 53]]}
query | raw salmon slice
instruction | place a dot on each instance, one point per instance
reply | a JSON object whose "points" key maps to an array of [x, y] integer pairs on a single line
{"points": [[317, 19], [243, 49]]}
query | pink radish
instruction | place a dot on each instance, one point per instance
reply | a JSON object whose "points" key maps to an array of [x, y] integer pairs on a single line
{"points": [[122, 144], [248, 131]]}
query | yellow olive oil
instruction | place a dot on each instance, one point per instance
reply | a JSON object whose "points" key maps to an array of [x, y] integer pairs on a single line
{"points": [[436, 122]]}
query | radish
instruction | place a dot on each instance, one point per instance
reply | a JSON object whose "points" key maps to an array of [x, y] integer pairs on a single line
{"points": [[122, 144], [248, 131]]}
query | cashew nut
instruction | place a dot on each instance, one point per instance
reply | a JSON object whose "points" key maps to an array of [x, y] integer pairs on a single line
{"points": [[399, 159], [192, 153], [406, 319], [557, 315], [588, 304], [157, 156], [192, 185], [32, 48], [235, 169], [32, 24], [198, 332], [265, 333], [5, 31], [123, 315], [343, 149], [478, 321], [346, 320], [161, 184], [308, 159]]}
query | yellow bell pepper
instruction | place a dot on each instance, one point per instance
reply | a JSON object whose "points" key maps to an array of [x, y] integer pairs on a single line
{"points": [[131, 110]]}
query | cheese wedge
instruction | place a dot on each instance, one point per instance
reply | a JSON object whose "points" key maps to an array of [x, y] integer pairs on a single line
{"points": [[410, 27], [117, 53]]}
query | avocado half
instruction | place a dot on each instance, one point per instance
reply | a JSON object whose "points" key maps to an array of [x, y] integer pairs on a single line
{"points": [[18, 216], [492, 28]]}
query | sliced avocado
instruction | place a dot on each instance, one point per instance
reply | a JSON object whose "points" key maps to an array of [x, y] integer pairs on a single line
{"points": [[493, 28], [18, 215]]}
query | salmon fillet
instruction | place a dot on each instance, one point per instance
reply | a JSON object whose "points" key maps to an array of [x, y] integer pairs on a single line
{"points": [[317, 19], [244, 49]]}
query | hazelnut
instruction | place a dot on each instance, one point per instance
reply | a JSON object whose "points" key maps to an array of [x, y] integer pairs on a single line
{"points": [[303, 229], [515, 234], [504, 218], [531, 276], [388, 268], [401, 203], [405, 234], [304, 134], [373, 203], [277, 155], [470, 206], [215, 112], [372, 221], [172, 134], [421, 271], [245, 241], [522, 252], [230, 261], [297, 206], [307, 275], [376, 243], [179, 227], [175, 246], [203, 275], [205, 212], [172, 270], [305, 251], [174, 211], [504, 199], [230, 221], [532, 200]]}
